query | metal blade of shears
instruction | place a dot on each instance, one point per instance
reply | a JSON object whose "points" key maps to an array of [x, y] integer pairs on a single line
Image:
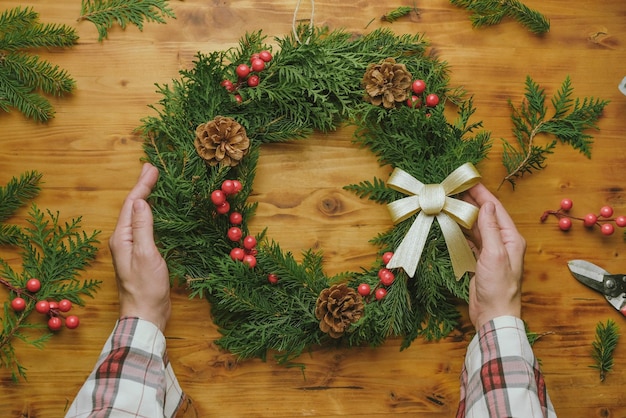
{"points": [[612, 286]]}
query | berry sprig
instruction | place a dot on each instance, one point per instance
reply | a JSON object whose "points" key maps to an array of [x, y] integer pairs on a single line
{"points": [[421, 96], [603, 219], [53, 309], [385, 279], [246, 251], [248, 75]]}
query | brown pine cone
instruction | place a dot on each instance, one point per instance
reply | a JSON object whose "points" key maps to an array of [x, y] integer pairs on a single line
{"points": [[222, 141], [387, 83], [337, 307]]}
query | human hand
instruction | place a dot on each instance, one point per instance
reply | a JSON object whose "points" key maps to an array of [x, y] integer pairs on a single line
{"points": [[495, 289], [142, 275]]}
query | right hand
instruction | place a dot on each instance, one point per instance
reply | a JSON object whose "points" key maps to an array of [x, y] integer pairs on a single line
{"points": [[142, 275], [495, 290]]}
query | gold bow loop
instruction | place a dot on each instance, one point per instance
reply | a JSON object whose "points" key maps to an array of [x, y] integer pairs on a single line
{"points": [[433, 201]]}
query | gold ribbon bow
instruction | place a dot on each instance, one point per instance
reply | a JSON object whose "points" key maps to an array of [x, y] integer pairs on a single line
{"points": [[432, 201]]}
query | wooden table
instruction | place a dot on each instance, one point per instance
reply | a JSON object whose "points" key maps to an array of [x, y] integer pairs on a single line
{"points": [[89, 156]]}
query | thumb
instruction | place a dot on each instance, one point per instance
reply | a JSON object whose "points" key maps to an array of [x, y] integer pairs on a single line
{"points": [[489, 227], [143, 235]]}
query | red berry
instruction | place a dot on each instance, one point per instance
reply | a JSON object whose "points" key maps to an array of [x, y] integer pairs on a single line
{"points": [[387, 277], [228, 187], [55, 323], [272, 278], [237, 254], [238, 186], [65, 305], [566, 204], [364, 289], [265, 56], [18, 304], [418, 86], [235, 218], [72, 322], [254, 57], [590, 220], [33, 285], [432, 100], [242, 70], [53, 305], [258, 65], [228, 85], [380, 293], [253, 80], [387, 257], [606, 211], [250, 260], [238, 98], [218, 197], [249, 242], [621, 221], [414, 102], [565, 224], [234, 234], [223, 209], [607, 229], [43, 307]]}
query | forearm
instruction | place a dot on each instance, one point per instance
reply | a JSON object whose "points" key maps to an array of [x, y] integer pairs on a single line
{"points": [[132, 374], [501, 376]]}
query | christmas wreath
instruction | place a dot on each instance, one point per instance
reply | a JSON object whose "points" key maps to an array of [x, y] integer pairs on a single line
{"points": [[205, 140]]}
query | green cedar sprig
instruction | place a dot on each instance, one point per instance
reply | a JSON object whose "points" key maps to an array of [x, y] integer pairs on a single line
{"points": [[104, 14], [51, 251], [296, 96], [571, 118], [25, 77], [491, 12], [397, 13], [607, 336]]}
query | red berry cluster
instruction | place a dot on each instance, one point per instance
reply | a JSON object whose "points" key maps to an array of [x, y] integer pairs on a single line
{"points": [[53, 309], [385, 278], [603, 219], [222, 206], [419, 90], [248, 74]]}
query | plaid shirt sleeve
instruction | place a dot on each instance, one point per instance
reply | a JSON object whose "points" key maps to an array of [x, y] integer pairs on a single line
{"points": [[501, 376], [132, 378]]}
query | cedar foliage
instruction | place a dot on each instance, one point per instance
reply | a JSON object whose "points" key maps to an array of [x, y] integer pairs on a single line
{"points": [[492, 12], [52, 251], [296, 96], [26, 78]]}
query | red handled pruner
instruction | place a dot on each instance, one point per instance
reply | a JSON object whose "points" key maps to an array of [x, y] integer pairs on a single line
{"points": [[612, 286]]}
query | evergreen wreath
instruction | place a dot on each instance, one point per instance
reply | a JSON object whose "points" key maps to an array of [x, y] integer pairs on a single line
{"points": [[205, 141]]}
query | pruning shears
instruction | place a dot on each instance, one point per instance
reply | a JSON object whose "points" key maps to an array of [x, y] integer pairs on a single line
{"points": [[612, 286]]}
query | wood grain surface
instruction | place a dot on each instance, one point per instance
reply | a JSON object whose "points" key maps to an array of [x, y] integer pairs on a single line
{"points": [[90, 157]]}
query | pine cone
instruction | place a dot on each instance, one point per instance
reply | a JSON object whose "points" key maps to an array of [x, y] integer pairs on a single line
{"points": [[337, 307], [222, 141], [387, 83]]}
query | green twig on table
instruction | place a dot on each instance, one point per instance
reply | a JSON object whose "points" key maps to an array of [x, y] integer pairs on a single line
{"points": [[604, 345], [491, 12]]}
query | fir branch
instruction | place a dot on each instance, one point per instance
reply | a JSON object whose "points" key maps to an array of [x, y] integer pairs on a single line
{"points": [[104, 14], [24, 77], [607, 336], [571, 118], [491, 12], [51, 251], [397, 13]]}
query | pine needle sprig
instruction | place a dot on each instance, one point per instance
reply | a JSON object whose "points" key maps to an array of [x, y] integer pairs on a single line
{"points": [[491, 12], [397, 13], [54, 252], [23, 77], [104, 14], [607, 336], [569, 123]]}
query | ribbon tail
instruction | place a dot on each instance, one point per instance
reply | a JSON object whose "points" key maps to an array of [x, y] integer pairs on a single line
{"points": [[409, 252], [461, 254]]}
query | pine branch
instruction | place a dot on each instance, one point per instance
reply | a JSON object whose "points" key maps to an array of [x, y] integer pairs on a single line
{"points": [[607, 336], [491, 12], [51, 251], [104, 14], [397, 13], [24, 77], [571, 118]]}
